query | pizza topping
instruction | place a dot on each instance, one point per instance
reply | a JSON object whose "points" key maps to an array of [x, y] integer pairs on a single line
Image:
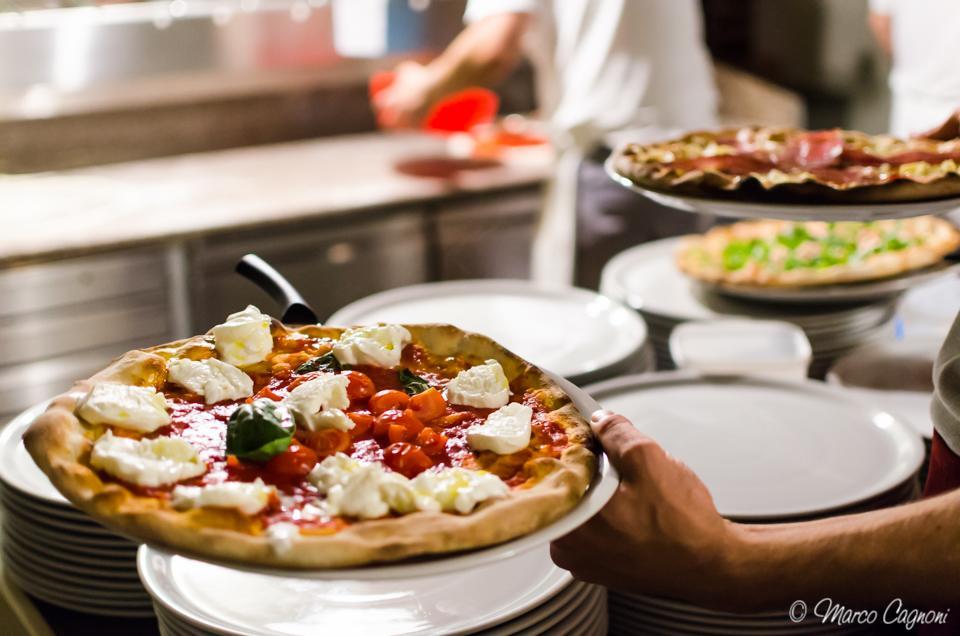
{"points": [[326, 362], [245, 338], [247, 497], [483, 386], [259, 430], [319, 402], [147, 462], [412, 383], [281, 536], [138, 408], [213, 379], [379, 346], [506, 430], [366, 490]]}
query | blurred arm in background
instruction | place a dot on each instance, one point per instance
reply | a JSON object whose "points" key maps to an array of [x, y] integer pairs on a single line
{"points": [[482, 55], [880, 26]]}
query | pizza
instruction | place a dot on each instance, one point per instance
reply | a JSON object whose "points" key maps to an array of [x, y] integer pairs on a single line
{"points": [[790, 165], [797, 254], [318, 447]]}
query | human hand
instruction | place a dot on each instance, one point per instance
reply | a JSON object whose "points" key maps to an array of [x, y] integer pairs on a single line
{"points": [[660, 534], [949, 129], [405, 102]]}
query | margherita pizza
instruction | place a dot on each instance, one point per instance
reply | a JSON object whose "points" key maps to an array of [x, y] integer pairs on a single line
{"points": [[792, 254], [789, 165], [318, 447]]}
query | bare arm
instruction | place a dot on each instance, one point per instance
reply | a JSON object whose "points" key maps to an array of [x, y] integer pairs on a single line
{"points": [[482, 55], [880, 25], [662, 535]]}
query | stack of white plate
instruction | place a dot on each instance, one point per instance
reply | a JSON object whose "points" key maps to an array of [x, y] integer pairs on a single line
{"points": [[53, 551], [578, 334], [526, 594], [647, 279], [768, 452]]}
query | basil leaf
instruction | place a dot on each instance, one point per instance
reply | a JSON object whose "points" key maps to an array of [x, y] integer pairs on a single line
{"points": [[258, 431], [412, 383], [326, 362]]}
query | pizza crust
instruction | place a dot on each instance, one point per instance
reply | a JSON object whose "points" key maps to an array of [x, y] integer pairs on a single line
{"points": [[60, 444], [701, 256]]}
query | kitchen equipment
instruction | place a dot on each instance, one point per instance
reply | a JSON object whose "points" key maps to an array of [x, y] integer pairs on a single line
{"points": [[578, 334], [770, 450], [296, 310], [646, 278], [55, 552], [526, 594], [765, 348], [877, 290], [787, 211], [458, 112]]}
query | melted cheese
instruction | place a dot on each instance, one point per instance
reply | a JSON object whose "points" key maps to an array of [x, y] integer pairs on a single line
{"points": [[380, 346], [483, 386], [458, 489], [281, 536], [147, 462], [318, 403], [247, 497], [214, 379], [244, 339], [138, 408], [507, 430]]}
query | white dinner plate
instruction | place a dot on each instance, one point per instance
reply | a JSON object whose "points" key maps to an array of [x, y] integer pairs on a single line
{"points": [[578, 334], [108, 544], [769, 450], [531, 617], [802, 211], [17, 469], [217, 598]]}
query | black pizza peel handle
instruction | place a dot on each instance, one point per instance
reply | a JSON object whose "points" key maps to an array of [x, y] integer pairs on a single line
{"points": [[296, 310]]}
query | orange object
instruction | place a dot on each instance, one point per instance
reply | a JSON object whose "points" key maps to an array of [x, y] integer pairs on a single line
{"points": [[428, 405], [458, 112]]}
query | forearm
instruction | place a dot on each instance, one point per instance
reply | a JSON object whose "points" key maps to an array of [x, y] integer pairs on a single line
{"points": [[910, 552], [482, 55]]}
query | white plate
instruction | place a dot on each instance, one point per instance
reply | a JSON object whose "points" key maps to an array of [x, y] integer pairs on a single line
{"points": [[570, 595], [769, 450], [17, 468], [604, 485], [69, 553], [578, 334], [110, 545], [216, 598], [808, 211], [646, 278]]}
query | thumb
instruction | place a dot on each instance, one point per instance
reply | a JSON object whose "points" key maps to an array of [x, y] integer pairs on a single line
{"points": [[623, 443]]}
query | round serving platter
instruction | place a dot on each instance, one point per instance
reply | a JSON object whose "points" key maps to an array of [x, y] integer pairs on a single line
{"points": [[534, 321], [603, 487], [836, 293], [770, 450], [746, 209]]}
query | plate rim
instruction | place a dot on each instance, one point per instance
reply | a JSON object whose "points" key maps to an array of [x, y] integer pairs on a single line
{"points": [[509, 286], [913, 448], [8, 438]]}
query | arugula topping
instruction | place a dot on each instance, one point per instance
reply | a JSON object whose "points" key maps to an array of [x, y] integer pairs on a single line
{"points": [[795, 237], [326, 362], [260, 430], [412, 383], [739, 253]]}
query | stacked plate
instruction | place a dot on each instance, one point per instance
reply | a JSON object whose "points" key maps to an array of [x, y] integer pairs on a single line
{"points": [[524, 595], [53, 551], [768, 452], [575, 333], [646, 278]]}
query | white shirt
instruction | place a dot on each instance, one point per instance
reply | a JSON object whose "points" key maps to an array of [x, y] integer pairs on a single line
{"points": [[609, 65], [925, 38]]}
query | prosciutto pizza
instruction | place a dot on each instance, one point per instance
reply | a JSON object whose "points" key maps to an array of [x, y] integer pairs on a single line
{"points": [[318, 447], [792, 254], [789, 165]]}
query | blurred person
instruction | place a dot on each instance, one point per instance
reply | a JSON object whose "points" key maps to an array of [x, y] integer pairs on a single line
{"points": [[922, 38], [602, 67]]}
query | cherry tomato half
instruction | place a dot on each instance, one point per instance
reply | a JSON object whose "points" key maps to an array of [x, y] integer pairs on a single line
{"points": [[327, 441], [428, 404], [362, 423], [396, 417], [388, 399], [360, 386], [294, 463], [406, 459], [432, 442]]}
